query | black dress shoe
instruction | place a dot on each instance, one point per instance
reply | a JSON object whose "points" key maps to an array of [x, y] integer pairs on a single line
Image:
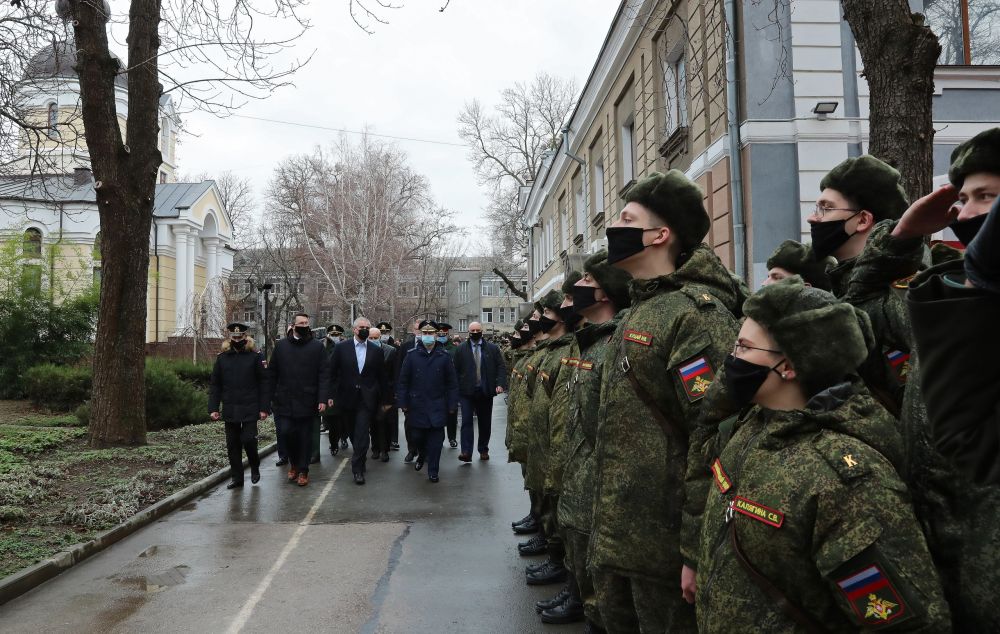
{"points": [[453, 443], [529, 527], [334, 449], [359, 478], [234, 485], [314, 459], [281, 462], [533, 568], [394, 446], [433, 478], [385, 457], [521, 521], [418, 465], [254, 475], [408, 458], [548, 604], [537, 545], [553, 573], [570, 611]]}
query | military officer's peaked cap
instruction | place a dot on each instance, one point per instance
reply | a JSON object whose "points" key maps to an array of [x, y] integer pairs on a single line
{"points": [[238, 328], [443, 326], [334, 329], [384, 326], [427, 325], [871, 183], [981, 153], [676, 200]]}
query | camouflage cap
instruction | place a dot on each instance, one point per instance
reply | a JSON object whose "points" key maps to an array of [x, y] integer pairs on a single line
{"points": [[612, 280], [570, 281], [871, 183], [824, 338], [675, 199], [981, 153], [799, 259]]}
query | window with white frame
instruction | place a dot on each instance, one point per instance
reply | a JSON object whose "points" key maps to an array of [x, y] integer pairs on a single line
{"points": [[463, 292], [53, 113], [442, 290], [968, 30], [487, 288], [326, 316], [487, 316], [675, 89], [463, 325], [512, 314], [402, 290], [248, 316], [628, 150], [579, 204], [563, 228]]}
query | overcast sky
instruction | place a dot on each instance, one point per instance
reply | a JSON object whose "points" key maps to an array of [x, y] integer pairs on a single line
{"points": [[411, 79]]}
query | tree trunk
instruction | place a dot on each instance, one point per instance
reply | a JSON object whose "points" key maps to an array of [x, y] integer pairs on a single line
{"points": [[899, 55], [125, 175]]}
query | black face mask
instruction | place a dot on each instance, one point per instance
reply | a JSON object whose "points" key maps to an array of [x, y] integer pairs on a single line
{"points": [[534, 326], [362, 333], [475, 336], [584, 297], [239, 344], [743, 378], [569, 316], [624, 242], [827, 237], [546, 324], [966, 230], [303, 331]]}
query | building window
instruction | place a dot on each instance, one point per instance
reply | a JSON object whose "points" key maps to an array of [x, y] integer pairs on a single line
{"points": [[31, 278], [402, 290], [32, 243], [512, 313], [487, 288], [563, 229], [501, 315], [579, 204], [969, 30], [300, 288], [326, 316], [675, 91], [163, 177], [416, 290], [96, 251], [248, 316], [165, 138], [53, 116], [628, 150], [487, 316], [463, 325], [276, 290], [524, 286], [463, 292], [442, 290]]}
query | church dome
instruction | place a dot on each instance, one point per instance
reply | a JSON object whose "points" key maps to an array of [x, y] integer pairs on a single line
{"points": [[57, 61]]}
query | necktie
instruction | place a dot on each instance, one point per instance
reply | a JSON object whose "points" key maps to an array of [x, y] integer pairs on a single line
{"points": [[475, 354]]}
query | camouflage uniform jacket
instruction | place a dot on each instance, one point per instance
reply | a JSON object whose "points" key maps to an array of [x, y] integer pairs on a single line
{"points": [[820, 512], [576, 503], [559, 412], [673, 338], [529, 372], [541, 410], [515, 399]]}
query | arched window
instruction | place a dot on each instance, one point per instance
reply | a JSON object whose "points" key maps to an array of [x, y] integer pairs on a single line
{"points": [[53, 119], [33, 243], [96, 253]]}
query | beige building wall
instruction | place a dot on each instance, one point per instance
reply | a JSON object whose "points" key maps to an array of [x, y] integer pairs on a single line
{"points": [[165, 284]]}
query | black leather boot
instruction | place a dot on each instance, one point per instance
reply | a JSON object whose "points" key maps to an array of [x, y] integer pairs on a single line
{"points": [[548, 604], [552, 573], [537, 545], [570, 611], [529, 527]]}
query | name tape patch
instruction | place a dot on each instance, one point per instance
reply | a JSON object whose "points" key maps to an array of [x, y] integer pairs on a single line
{"points": [[696, 375], [722, 481], [758, 512], [637, 336], [872, 596]]}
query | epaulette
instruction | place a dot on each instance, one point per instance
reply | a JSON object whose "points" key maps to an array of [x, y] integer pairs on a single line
{"points": [[844, 455], [700, 296]]}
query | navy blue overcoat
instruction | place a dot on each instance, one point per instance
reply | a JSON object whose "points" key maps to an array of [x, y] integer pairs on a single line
{"points": [[427, 387]]}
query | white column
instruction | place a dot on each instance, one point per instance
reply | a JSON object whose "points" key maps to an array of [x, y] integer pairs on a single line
{"points": [[212, 257], [182, 268]]}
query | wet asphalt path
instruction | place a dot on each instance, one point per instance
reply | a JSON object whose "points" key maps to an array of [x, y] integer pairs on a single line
{"points": [[397, 555]]}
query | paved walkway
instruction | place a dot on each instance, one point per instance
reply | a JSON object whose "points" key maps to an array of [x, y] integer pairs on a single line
{"points": [[397, 555]]}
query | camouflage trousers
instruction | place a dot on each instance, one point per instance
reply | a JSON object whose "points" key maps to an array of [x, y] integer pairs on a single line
{"points": [[550, 527], [575, 543], [633, 604]]}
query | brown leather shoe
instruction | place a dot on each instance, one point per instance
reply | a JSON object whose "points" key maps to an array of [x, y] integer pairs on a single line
{"points": [[303, 479], [293, 473], [484, 455], [464, 457]]}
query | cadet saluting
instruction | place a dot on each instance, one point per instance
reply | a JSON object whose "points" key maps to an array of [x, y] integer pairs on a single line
{"points": [[809, 528], [239, 382]]}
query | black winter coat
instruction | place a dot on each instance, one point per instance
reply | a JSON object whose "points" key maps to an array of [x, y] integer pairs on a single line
{"points": [[299, 377], [239, 382], [427, 387]]}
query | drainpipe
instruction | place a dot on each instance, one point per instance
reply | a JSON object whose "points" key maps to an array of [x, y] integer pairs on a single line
{"points": [[735, 157], [583, 170], [156, 304]]}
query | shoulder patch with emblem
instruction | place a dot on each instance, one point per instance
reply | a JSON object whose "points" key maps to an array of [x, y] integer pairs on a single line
{"points": [[872, 596], [899, 361], [844, 458], [637, 336], [696, 375]]}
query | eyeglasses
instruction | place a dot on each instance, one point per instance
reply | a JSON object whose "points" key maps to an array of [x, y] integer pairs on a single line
{"points": [[741, 348], [821, 211]]}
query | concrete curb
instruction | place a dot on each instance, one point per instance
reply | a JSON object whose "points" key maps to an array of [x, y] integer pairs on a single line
{"points": [[33, 576]]}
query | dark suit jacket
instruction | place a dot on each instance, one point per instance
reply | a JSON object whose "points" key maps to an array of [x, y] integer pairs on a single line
{"points": [[353, 390], [298, 377], [390, 355], [493, 373]]}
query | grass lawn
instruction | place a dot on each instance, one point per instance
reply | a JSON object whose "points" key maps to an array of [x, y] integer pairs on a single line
{"points": [[56, 491]]}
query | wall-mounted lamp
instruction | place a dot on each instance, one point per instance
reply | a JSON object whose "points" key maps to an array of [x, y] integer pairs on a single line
{"points": [[824, 108]]}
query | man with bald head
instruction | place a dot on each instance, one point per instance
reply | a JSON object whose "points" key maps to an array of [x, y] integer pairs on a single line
{"points": [[482, 374]]}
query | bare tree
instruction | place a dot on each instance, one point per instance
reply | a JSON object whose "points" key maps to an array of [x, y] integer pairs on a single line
{"points": [[236, 193], [507, 148]]}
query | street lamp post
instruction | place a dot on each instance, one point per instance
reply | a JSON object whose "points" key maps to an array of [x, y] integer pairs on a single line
{"points": [[265, 287]]}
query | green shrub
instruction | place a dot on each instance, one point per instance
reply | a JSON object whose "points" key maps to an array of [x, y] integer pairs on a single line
{"points": [[57, 387], [171, 401], [197, 374]]}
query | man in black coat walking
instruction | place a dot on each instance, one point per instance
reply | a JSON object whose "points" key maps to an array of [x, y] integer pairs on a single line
{"points": [[239, 382], [386, 416], [358, 387], [298, 384], [482, 374]]}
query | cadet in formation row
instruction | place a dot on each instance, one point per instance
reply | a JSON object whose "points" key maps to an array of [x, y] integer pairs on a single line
{"points": [[699, 458]]}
